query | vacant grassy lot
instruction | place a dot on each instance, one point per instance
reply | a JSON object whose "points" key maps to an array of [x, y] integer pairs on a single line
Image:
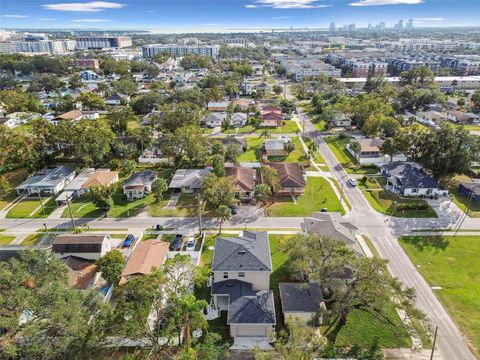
{"points": [[464, 203], [338, 146], [5, 240], [252, 154], [451, 263], [30, 208], [186, 206], [242, 130], [32, 239], [82, 207], [289, 127], [389, 204], [318, 194], [14, 178]]}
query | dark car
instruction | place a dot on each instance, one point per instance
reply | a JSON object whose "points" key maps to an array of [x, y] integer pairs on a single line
{"points": [[234, 209], [176, 244], [128, 240], [323, 210], [158, 227]]}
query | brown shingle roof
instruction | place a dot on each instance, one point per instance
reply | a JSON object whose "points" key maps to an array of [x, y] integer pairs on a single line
{"points": [[100, 178], [80, 272], [147, 254], [78, 243], [290, 175], [371, 145], [245, 177], [70, 115]]}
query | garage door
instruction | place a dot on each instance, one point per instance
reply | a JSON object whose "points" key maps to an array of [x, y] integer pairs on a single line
{"points": [[251, 331]]}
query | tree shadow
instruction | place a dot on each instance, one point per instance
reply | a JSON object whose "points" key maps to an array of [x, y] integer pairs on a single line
{"points": [[422, 243]]}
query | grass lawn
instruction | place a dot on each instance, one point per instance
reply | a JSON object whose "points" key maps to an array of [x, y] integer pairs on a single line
{"points": [[32, 239], [124, 208], [133, 124], [383, 202], [186, 206], [5, 240], [472, 127], [318, 159], [289, 127], [451, 263], [14, 178], [318, 194], [242, 130], [340, 190], [463, 203], [338, 147], [82, 207], [27, 208], [296, 156], [253, 150]]}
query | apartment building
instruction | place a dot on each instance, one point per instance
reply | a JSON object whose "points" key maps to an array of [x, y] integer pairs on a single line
{"points": [[87, 64], [180, 50], [100, 42], [302, 68]]}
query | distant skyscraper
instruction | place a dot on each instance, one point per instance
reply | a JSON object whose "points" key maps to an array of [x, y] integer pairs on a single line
{"points": [[380, 26], [332, 26], [409, 24], [399, 25], [351, 27], [369, 27]]}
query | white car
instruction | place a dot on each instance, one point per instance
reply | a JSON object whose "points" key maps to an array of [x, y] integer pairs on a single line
{"points": [[190, 244], [352, 182]]}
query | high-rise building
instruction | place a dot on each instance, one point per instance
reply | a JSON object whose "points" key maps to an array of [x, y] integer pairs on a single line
{"points": [[380, 26], [409, 24], [351, 27], [180, 50], [100, 42], [398, 25], [332, 27]]}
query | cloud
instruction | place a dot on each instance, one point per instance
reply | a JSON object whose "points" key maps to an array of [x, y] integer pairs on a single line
{"points": [[211, 24], [93, 6], [47, 19], [150, 11], [281, 17], [15, 16], [91, 20], [429, 19], [250, 6], [385, 2], [291, 4]]}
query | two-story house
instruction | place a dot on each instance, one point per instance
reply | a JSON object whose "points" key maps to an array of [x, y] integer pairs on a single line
{"points": [[241, 271]]}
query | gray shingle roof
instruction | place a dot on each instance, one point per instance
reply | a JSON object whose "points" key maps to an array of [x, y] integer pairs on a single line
{"points": [[409, 175], [144, 177], [300, 297], [249, 252], [50, 179], [245, 305]]}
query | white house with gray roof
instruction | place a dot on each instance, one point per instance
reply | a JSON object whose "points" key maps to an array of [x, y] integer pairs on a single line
{"points": [[188, 180], [241, 271], [48, 183]]}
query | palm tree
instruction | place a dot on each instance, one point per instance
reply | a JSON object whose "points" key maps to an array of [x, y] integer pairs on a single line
{"points": [[223, 214], [312, 148], [289, 146], [265, 133], [190, 311]]}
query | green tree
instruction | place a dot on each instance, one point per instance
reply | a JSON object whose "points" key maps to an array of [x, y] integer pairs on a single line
{"points": [[158, 189], [17, 100], [101, 197], [45, 82], [265, 134], [389, 147], [218, 165], [355, 146], [178, 115], [91, 141], [111, 266], [475, 99], [125, 86], [146, 103], [187, 142], [312, 148], [190, 314], [365, 106], [270, 178], [91, 101], [277, 89], [212, 348], [5, 187], [262, 193], [218, 190], [191, 61], [118, 118], [223, 213], [289, 146], [75, 82], [231, 153]]}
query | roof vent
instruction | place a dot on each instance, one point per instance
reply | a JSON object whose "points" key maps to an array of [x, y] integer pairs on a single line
{"points": [[241, 252]]}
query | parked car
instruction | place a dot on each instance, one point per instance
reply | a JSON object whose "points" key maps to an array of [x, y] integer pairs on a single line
{"points": [[352, 182], [158, 227], [323, 210], [190, 244], [176, 244], [128, 241], [234, 209]]}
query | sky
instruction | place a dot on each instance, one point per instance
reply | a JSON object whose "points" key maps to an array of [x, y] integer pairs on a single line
{"points": [[231, 15]]}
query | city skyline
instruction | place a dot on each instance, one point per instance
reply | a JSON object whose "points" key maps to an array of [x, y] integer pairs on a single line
{"points": [[229, 16]]}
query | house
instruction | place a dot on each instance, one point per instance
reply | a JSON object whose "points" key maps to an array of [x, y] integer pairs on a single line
{"points": [[238, 141], [245, 181], [89, 75], [19, 118], [263, 88], [72, 115], [301, 301], [152, 155], [291, 178], [84, 246], [370, 152], [85, 181], [271, 116], [243, 104], [332, 225], [51, 182], [117, 99], [90, 115], [471, 189], [188, 180], [241, 269], [217, 106], [408, 179], [147, 255], [461, 117], [430, 118], [276, 147], [342, 120], [238, 119], [81, 272], [212, 120], [139, 185], [247, 87]]}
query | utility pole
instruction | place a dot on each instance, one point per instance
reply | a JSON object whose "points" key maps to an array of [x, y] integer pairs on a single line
{"points": [[70, 211], [434, 341], [40, 199], [199, 200]]}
